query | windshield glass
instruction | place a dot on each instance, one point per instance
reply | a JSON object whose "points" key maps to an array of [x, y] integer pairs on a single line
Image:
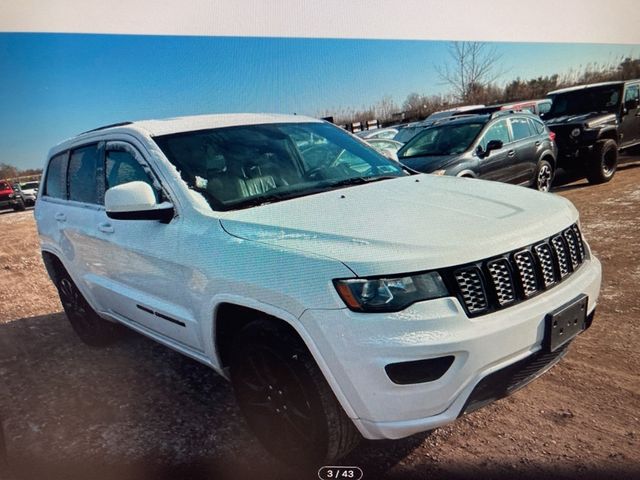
{"points": [[237, 167], [442, 140], [597, 99], [29, 185]]}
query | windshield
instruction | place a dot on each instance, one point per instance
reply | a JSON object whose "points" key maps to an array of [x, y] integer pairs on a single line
{"points": [[407, 133], [442, 140], [237, 167], [29, 185], [597, 99]]}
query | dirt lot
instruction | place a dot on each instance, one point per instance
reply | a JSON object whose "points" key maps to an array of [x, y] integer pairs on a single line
{"points": [[138, 410]]}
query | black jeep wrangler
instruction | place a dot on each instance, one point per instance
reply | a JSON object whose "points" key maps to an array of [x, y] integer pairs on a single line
{"points": [[592, 123]]}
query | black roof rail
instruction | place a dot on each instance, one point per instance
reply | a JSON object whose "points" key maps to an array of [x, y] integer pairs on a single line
{"points": [[119, 124], [454, 117], [499, 113]]}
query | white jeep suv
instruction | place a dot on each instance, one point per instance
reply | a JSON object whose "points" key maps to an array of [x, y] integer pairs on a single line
{"points": [[341, 294]]}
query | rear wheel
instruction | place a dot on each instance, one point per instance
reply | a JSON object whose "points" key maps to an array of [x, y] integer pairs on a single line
{"points": [[601, 167], [543, 176], [20, 206], [285, 398], [88, 325]]}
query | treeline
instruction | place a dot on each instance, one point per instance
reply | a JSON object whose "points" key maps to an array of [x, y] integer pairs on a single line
{"points": [[419, 106], [9, 172]]}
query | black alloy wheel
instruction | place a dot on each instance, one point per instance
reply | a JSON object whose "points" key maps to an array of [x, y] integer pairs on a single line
{"points": [[285, 398]]}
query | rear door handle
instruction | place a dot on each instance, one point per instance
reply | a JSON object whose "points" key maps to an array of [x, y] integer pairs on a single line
{"points": [[537, 144], [511, 153], [60, 217], [106, 227]]}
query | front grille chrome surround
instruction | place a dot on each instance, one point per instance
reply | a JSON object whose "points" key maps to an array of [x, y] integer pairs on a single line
{"points": [[508, 279]]}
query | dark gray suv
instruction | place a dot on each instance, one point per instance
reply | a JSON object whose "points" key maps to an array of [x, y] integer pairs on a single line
{"points": [[506, 146]]}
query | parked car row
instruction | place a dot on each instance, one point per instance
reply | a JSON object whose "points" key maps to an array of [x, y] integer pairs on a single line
{"points": [[17, 196], [584, 129]]}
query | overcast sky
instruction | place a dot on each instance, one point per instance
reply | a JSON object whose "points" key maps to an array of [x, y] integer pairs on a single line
{"points": [[53, 86]]}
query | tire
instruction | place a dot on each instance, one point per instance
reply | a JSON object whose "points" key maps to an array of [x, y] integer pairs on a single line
{"points": [[88, 325], [601, 167], [543, 176], [286, 400], [20, 206]]}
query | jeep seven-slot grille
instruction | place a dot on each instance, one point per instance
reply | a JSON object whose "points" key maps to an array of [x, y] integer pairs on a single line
{"points": [[515, 276]]}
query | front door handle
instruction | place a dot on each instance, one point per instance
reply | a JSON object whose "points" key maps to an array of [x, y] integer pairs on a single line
{"points": [[511, 153], [60, 217], [106, 227]]}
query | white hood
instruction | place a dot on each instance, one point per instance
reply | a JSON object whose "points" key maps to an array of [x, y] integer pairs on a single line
{"points": [[407, 224]]}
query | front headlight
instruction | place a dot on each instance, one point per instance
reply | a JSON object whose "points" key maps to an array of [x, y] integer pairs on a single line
{"points": [[390, 294], [575, 132], [439, 172]]}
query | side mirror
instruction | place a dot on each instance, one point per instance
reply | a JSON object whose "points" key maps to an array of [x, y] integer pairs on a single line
{"points": [[136, 201], [494, 145]]}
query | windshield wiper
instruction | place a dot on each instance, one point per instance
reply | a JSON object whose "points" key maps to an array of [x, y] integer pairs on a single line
{"points": [[426, 155], [276, 197], [360, 180]]}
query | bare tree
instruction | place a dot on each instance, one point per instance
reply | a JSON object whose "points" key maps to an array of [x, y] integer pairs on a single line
{"points": [[385, 108], [471, 68]]}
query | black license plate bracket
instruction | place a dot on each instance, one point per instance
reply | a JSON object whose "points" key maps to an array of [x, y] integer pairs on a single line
{"points": [[564, 323]]}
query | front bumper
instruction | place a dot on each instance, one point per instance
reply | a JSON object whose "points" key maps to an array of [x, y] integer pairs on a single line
{"points": [[355, 348], [8, 203]]}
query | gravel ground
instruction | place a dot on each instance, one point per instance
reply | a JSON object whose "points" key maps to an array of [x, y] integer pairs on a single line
{"points": [[138, 410]]}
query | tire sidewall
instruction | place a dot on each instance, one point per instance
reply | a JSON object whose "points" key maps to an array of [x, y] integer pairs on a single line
{"points": [[93, 330], [597, 170], [296, 356]]}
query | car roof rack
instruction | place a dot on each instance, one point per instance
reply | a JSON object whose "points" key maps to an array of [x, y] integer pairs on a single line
{"points": [[111, 125], [454, 117]]}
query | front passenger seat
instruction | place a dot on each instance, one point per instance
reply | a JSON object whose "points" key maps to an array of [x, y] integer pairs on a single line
{"points": [[255, 183]]}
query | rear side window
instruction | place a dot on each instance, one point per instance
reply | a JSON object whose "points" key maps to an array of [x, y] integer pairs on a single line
{"points": [[121, 167], [56, 184], [520, 128], [83, 164], [536, 126]]}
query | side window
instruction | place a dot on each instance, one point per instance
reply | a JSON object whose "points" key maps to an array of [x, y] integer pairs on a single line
{"points": [[544, 107], [83, 164], [122, 167], [536, 126], [632, 93], [56, 181], [520, 128], [497, 131]]}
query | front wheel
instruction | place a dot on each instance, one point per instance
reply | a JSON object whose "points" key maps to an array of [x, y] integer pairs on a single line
{"points": [[601, 167], [543, 176], [20, 206], [285, 398], [88, 325]]}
